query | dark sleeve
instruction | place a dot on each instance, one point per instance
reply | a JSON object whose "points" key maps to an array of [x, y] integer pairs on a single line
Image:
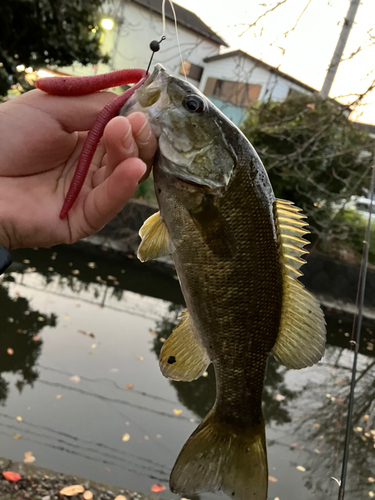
{"points": [[5, 259]]}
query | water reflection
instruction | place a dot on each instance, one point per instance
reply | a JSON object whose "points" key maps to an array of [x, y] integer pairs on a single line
{"points": [[322, 429], [199, 395], [19, 341]]}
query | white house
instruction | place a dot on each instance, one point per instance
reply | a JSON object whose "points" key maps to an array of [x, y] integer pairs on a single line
{"points": [[137, 23], [233, 80]]}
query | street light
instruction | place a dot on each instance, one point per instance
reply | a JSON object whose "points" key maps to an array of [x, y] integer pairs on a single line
{"points": [[107, 24]]}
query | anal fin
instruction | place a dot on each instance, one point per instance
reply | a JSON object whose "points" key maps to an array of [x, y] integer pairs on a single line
{"points": [[182, 356]]}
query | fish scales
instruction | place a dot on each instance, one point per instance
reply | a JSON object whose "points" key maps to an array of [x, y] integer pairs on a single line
{"points": [[235, 302], [237, 266]]}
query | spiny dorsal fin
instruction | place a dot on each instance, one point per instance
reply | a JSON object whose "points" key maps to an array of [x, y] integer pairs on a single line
{"points": [[182, 356], [155, 239], [302, 333]]}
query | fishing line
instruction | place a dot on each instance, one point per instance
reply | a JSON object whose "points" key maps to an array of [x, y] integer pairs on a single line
{"points": [[366, 244], [176, 29]]}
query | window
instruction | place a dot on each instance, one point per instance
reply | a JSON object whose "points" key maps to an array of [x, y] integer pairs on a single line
{"points": [[238, 93], [193, 71]]}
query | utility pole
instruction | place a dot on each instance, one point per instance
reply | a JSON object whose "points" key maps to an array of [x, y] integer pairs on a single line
{"points": [[337, 55]]}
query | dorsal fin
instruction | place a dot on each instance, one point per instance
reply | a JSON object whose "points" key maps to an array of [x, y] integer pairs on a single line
{"points": [[155, 239], [302, 332], [182, 356]]}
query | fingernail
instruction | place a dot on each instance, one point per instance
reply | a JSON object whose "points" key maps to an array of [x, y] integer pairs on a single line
{"points": [[144, 134], [127, 141]]}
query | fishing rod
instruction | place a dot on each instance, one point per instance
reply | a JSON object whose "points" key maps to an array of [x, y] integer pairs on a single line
{"points": [[366, 245]]}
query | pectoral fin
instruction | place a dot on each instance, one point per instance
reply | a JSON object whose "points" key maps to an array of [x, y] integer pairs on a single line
{"points": [[182, 356], [214, 228], [155, 239], [302, 334]]}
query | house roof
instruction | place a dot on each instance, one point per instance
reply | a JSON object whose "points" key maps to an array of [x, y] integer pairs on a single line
{"points": [[258, 62], [370, 128], [184, 18]]}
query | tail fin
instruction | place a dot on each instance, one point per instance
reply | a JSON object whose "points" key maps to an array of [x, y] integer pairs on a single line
{"points": [[220, 456]]}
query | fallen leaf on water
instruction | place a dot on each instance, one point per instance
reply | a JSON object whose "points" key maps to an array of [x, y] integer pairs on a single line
{"points": [[40, 318], [299, 467], [371, 480], [146, 438], [272, 479], [111, 278], [26, 261], [310, 106], [10, 351], [92, 265], [58, 396], [157, 488], [162, 340], [152, 333], [106, 469], [93, 346], [66, 318], [19, 330], [140, 358], [120, 497], [72, 491], [277, 498], [177, 412], [75, 272], [293, 445], [126, 437], [88, 495], [318, 452], [13, 477], [88, 334], [366, 417], [279, 397], [358, 429], [75, 378], [29, 457], [50, 269], [371, 494], [36, 338], [316, 426], [19, 419], [17, 436], [129, 386]]}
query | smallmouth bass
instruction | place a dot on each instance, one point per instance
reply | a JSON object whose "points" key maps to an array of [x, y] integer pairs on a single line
{"points": [[237, 252]]}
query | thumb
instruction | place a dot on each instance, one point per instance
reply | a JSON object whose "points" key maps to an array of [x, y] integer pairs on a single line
{"points": [[109, 197]]}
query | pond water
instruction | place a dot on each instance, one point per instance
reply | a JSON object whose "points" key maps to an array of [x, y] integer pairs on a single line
{"points": [[80, 386]]}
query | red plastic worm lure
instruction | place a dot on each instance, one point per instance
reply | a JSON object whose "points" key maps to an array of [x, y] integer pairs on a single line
{"points": [[83, 85]]}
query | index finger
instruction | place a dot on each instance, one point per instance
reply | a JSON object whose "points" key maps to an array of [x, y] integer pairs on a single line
{"points": [[73, 113], [144, 138]]}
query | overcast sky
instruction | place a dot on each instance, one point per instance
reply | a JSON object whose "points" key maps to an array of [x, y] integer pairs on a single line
{"points": [[306, 51]]}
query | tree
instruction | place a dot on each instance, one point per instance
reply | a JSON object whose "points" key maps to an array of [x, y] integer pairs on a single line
{"points": [[314, 155], [37, 33]]}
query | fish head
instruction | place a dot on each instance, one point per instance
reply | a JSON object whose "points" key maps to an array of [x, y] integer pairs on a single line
{"points": [[195, 138]]}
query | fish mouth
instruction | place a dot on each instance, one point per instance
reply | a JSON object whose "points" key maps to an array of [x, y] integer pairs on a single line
{"points": [[150, 98]]}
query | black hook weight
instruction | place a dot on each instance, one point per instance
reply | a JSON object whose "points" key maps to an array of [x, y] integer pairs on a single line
{"points": [[155, 47]]}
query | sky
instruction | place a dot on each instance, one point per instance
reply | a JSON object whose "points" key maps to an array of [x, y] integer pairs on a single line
{"points": [[299, 37]]}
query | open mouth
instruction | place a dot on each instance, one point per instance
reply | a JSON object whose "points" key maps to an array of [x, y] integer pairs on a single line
{"points": [[150, 92]]}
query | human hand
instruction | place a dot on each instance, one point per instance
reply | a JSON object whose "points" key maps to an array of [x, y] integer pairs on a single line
{"points": [[41, 137]]}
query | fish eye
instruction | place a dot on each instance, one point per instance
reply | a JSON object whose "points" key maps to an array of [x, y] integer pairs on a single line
{"points": [[193, 103]]}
